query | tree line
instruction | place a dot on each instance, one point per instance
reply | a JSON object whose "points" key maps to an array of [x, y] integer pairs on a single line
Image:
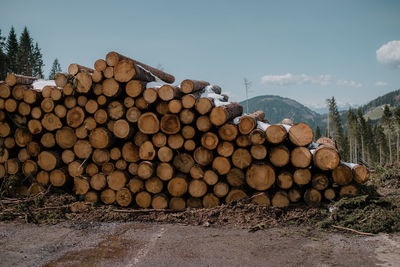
{"points": [[365, 141], [22, 56]]}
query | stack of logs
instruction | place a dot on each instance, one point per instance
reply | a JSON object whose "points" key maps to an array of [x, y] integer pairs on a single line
{"points": [[121, 133]]}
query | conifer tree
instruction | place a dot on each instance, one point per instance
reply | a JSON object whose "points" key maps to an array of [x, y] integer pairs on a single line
{"points": [[37, 62], [317, 133], [387, 124], [55, 68], [3, 59], [12, 50], [24, 55], [335, 129]]}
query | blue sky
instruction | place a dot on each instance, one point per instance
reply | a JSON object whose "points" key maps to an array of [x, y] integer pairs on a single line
{"points": [[305, 50]]}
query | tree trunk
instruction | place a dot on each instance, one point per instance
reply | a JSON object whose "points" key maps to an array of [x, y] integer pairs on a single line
{"points": [[260, 176], [248, 122], [279, 156], [302, 177], [301, 134], [280, 199], [221, 114], [74, 69], [189, 86], [13, 79], [301, 157]]}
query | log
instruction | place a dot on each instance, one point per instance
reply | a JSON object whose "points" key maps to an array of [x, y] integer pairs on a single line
{"points": [[147, 151], [154, 185], [258, 152], [5, 91], [75, 117], [100, 65], [60, 111], [221, 189], [13, 79], [203, 123], [81, 132], [35, 127], [225, 149], [235, 177], [74, 69], [175, 106], [294, 195], [279, 156], [330, 194], [150, 95], [65, 137], [121, 164], [140, 138], [70, 102], [108, 168], [9, 142], [100, 138], [108, 72], [51, 122], [188, 132], [241, 158], [58, 177], [91, 106], [342, 174], [312, 197], [81, 186], [111, 87], [243, 141], [221, 114], [284, 180], [210, 177], [129, 102], [143, 199], [92, 169], [68, 89], [108, 196], [148, 123], [84, 82], [35, 189], [136, 185], [360, 172], [183, 162], [141, 103], [115, 110], [47, 160], [100, 156], [210, 201], [177, 186], [68, 156], [23, 155], [43, 178], [203, 156], [48, 140], [301, 134], [36, 113], [326, 157], [301, 157], [280, 200], [5, 129], [194, 203], [123, 197], [133, 114], [113, 59], [24, 109], [188, 86], [134, 88], [247, 123], [236, 195], [196, 172], [10, 105], [275, 134], [97, 76], [170, 124], [116, 180], [83, 149], [187, 116], [302, 177], [159, 201], [12, 166], [175, 141], [221, 165], [165, 154], [320, 181], [260, 176], [30, 96], [165, 171], [189, 145], [145, 169], [162, 108], [257, 137], [204, 105], [261, 199], [209, 140], [177, 203], [130, 152], [122, 129]]}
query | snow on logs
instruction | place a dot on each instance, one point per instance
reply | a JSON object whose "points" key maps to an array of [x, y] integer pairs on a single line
{"points": [[121, 133]]}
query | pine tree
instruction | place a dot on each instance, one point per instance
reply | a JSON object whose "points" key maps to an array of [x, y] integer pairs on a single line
{"points": [[317, 133], [54, 69], [3, 59], [12, 50], [24, 55], [37, 62], [352, 133], [335, 128], [387, 124]]}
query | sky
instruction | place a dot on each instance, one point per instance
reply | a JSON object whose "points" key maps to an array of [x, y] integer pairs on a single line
{"points": [[305, 50]]}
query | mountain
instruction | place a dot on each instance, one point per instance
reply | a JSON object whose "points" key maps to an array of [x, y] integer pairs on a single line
{"points": [[277, 108]]}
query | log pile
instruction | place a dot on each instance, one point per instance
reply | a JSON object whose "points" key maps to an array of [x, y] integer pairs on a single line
{"points": [[121, 133]]}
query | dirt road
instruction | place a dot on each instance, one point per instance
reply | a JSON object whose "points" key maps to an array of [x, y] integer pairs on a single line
{"points": [[149, 244]]}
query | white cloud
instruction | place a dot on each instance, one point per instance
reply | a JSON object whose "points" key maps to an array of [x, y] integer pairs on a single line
{"points": [[380, 83], [296, 79], [348, 83], [389, 54], [302, 79]]}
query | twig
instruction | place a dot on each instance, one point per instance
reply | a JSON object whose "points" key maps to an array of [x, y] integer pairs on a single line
{"points": [[147, 210], [351, 230]]}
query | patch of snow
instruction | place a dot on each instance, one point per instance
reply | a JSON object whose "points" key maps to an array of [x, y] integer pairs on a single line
{"points": [[217, 99], [40, 84], [262, 125]]}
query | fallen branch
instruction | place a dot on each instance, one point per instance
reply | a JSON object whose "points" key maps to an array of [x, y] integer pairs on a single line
{"points": [[147, 210], [351, 230]]}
